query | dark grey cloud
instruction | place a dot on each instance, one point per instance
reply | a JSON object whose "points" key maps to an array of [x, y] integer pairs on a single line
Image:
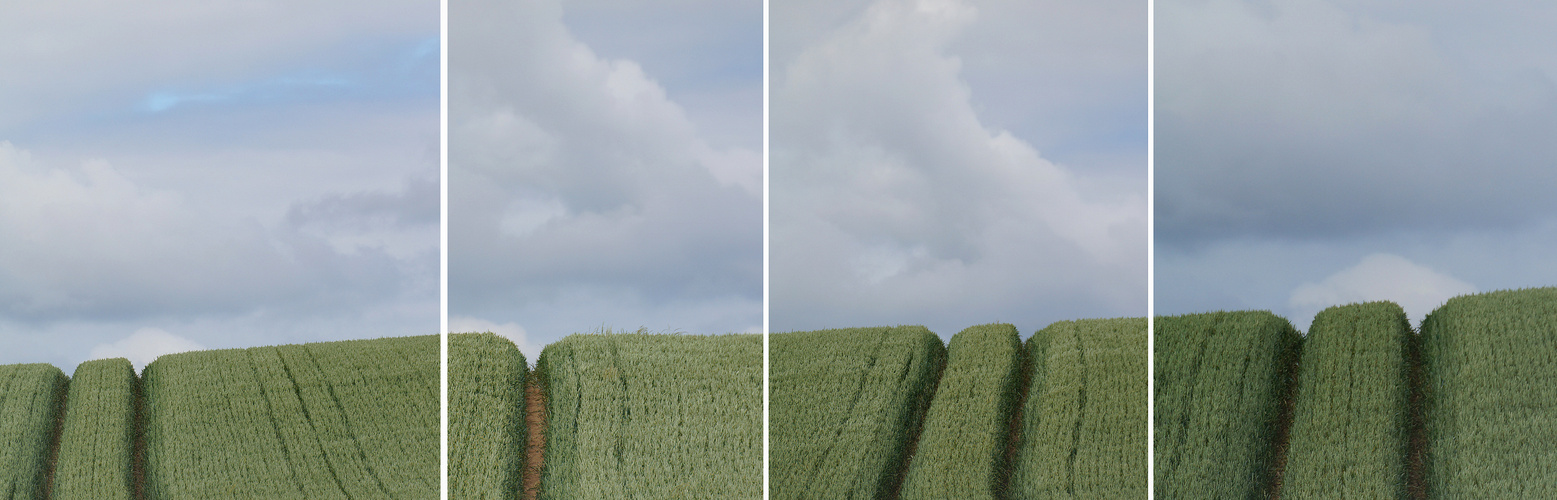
{"points": [[580, 187], [416, 204], [1313, 119], [1314, 153]]}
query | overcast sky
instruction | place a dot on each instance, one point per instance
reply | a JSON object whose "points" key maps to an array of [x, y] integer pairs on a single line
{"points": [[952, 163], [184, 174], [1313, 153], [605, 167]]}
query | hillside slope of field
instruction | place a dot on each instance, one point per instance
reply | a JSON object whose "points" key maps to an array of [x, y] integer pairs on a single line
{"points": [[1350, 408], [1084, 423], [844, 405], [348, 419], [1221, 379], [29, 404], [352, 419], [96, 445], [1491, 407], [486, 421], [652, 416], [962, 449]]}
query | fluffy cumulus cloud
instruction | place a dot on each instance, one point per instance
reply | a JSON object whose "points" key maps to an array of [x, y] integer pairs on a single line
{"points": [[144, 346], [575, 178], [240, 173], [510, 330], [1379, 276], [892, 202], [87, 242]]}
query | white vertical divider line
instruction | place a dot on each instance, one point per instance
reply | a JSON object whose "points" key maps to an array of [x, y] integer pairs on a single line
{"points": [[1151, 245], [443, 247], [765, 252]]}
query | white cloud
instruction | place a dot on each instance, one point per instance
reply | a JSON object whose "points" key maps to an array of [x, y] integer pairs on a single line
{"points": [[511, 331], [88, 243], [892, 198], [1379, 276], [585, 168], [233, 171], [144, 346]]}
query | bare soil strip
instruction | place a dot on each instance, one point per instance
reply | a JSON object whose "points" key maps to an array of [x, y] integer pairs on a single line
{"points": [[1284, 426], [60, 401], [138, 442], [1416, 423], [535, 450]]}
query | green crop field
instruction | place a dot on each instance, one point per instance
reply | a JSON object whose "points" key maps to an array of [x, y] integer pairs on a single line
{"points": [[96, 441], [962, 449], [1221, 379], [843, 405], [354, 419], [28, 409], [1349, 417], [486, 418], [1084, 421], [652, 416], [1489, 363]]}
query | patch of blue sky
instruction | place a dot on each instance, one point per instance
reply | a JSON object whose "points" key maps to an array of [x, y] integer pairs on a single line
{"points": [[402, 69], [420, 56], [286, 88]]}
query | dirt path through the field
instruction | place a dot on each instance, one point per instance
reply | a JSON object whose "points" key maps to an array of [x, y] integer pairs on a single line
{"points": [[535, 450], [60, 404], [1416, 427], [1283, 428]]}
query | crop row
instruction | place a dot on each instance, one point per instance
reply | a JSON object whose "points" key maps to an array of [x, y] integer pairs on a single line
{"points": [[96, 441], [29, 405], [1463, 409], [327, 420], [652, 416], [844, 405], [626, 416], [847, 408], [1084, 424]]}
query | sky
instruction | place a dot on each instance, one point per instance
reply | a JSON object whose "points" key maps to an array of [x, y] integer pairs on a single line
{"points": [[1312, 153], [197, 174], [605, 167], [952, 163]]}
